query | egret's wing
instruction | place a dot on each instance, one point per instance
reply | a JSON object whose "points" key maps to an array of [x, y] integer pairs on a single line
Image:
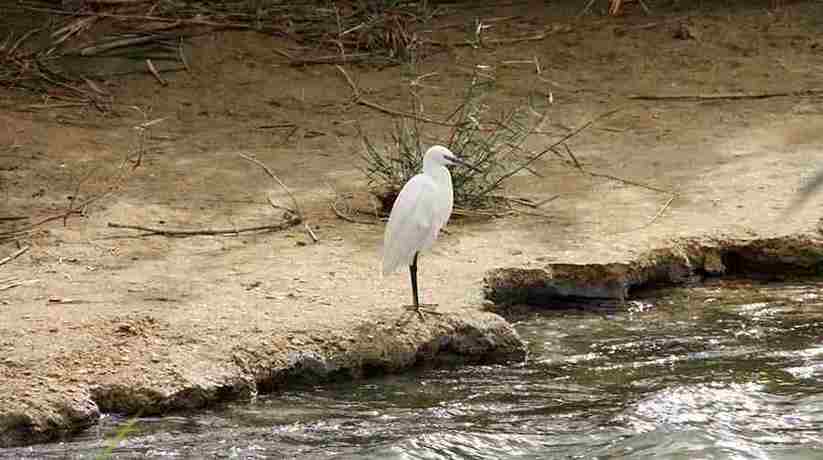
{"points": [[412, 224]]}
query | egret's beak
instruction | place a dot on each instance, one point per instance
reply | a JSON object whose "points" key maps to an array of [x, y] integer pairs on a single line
{"points": [[460, 162]]}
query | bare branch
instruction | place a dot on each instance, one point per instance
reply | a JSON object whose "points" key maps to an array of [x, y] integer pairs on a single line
{"points": [[358, 99], [17, 254], [290, 222], [268, 171]]}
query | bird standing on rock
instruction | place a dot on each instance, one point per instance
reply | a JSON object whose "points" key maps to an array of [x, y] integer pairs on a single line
{"points": [[421, 209]]}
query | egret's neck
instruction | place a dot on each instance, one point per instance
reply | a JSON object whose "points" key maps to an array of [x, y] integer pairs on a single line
{"points": [[439, 173], [445, 199]]}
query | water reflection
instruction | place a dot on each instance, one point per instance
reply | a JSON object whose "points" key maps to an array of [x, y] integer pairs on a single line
{"points": [[709, 372]]}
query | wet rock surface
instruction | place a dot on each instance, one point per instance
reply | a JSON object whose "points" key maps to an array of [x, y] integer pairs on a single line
{"points": [[385, 346], [682, 262]]}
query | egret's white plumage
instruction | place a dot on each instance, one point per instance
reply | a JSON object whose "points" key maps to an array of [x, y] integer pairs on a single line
{"points": [[421, 209]]}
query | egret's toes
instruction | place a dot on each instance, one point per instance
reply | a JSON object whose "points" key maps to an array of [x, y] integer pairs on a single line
{"points": [[423, 308]]}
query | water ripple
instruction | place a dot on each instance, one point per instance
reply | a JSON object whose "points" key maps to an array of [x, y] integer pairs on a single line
{"points": [[704, 373]]}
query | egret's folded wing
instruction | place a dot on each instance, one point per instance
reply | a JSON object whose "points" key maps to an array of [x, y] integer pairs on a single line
{"points": [[410, 223]]}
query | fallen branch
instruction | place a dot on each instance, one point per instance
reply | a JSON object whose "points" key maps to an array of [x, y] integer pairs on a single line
{"points": [[268, 171], [74, 208], [17, 254], [16, 283], [656, 216], [331, 59], [463, 212], [154, 72], [627, 181], [614, 7], [551, 148], [28, 228], [501, 41], [94, 50], [577, 165], [296, 211], [358, 99], [289, 222], [116, 2], [529, 203], [735, 96], [342, 215], [308, 229], [149, 18], [662, 210], [14, 234], [347, 218]]}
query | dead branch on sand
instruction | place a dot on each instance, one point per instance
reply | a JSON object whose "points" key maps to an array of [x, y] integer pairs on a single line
{"points": [[653, 219], [16, 254], [344, 215], [289, 222], [503, 41], [672, 194], [296, 210], [552, 149], [75, 206], [292, 216], [358, 99], [572, 160], [13, 283], [731, 96], [73, 209]]}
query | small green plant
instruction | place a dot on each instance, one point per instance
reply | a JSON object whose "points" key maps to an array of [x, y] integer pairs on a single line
{"points": [[122, 432], [493, 145]]}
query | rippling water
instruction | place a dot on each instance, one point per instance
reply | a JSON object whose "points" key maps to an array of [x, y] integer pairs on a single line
{"points": [[730, 370]]}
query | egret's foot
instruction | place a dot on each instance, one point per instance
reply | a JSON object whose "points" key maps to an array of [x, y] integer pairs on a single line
{"points": [[423, 308]]}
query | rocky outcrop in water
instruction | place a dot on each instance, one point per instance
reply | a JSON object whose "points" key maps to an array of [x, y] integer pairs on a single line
{"points": [[680, 263], [380, 346]]}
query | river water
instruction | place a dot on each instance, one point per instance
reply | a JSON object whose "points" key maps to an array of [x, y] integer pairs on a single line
{"points": [[728, 370]]}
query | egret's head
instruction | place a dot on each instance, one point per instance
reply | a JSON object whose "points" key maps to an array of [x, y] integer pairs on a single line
{"points": [[442, 156]]}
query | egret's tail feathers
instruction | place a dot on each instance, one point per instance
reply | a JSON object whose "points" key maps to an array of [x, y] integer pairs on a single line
{"points": [[390, 264], [394, 259], [386, 269]]}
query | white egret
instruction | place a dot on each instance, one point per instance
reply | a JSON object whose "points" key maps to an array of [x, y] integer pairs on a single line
{"points": [[421, 209]]}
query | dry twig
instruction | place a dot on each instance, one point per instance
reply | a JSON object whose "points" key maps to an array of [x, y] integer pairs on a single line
{"points": [[20, 232], [16, 254], [289, 222], [358, 99], [122, 174], [531, 204], [150, 18], [296, 211], [154, 72], [731, 96], [503, 41], [15, 283], [553, 149], [627, 181], [342, 215], [656, 216], [347, 218]]}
